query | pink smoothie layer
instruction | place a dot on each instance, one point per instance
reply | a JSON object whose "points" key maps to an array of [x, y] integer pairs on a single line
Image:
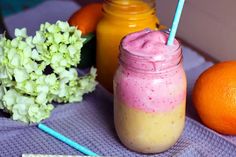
{"points": [[150, 44], [160, 92]]}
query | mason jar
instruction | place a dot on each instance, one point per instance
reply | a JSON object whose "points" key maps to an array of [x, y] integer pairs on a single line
{"points": [[149, 92], [120, 17]]}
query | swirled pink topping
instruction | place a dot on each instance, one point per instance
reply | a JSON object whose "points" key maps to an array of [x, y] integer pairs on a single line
{"points": [[149, 43]]}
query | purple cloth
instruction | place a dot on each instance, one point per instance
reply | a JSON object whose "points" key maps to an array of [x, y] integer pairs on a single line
{"points": [[90, 123]]}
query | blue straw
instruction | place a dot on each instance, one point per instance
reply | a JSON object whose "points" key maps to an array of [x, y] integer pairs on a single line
{"points": [[66, 140], [175, 22]]}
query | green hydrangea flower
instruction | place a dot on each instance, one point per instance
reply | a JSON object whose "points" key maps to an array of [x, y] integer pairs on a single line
{"points": [[34, 71]]}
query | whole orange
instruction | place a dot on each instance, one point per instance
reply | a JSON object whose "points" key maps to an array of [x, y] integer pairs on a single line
{"points": [[87, 17], [214, 97]]}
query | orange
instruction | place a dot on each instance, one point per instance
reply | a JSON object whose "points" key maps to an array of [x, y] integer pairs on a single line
{"points": [[214, 97], [87, 17]]}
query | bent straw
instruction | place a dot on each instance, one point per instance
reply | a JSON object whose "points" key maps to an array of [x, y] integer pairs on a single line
{"points": [[66, 140], [175, 22]]}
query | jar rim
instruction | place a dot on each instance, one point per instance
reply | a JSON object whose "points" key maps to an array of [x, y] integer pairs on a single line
{"points": [[136, 15], [147, 57]]}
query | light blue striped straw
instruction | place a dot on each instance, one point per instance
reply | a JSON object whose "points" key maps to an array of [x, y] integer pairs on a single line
{"points": [[175, 23], [66, 140]]}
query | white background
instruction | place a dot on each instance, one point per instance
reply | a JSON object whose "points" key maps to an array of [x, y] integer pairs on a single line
{"points": [[209, 25]]}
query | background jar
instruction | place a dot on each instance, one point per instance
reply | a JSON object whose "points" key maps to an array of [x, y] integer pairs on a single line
{"points": [[120, 18]]}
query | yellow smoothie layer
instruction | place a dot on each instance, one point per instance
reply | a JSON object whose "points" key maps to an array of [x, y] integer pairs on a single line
{"points": [[148, 132]]}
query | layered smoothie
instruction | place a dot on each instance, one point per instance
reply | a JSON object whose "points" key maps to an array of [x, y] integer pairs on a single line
{"points": [[149, 92]]}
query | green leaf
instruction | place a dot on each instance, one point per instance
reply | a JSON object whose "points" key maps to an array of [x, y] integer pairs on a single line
{"points": [[88, 38]]}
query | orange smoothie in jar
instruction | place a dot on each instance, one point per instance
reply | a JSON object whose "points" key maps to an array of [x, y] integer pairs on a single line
{"points": [[121, 17]]}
